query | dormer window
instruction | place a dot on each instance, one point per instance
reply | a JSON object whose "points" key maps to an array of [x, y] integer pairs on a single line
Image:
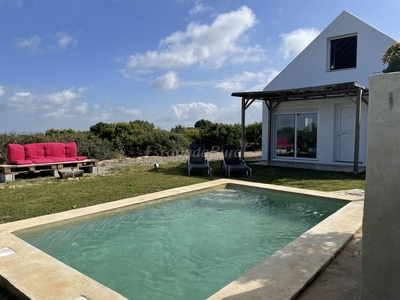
{"points": [[343, 53]]}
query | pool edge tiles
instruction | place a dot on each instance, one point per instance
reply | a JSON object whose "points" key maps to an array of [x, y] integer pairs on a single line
{"points": [[288, 271], [39, 276]]}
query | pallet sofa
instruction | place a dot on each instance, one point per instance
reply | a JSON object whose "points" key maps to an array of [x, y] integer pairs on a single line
{"points": [[39, 157]]}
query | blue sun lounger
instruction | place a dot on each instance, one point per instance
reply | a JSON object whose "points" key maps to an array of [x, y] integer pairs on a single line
{"points": [[232, 162], [197, 161]]}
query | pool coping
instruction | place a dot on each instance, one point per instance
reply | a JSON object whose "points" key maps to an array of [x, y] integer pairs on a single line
{"points": [[32, 274]]}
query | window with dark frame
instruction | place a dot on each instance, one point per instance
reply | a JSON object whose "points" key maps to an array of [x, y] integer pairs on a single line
{"points": [[343, 53]]}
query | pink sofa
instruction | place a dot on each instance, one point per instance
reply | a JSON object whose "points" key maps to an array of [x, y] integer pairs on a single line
{"points": [[283, 142], [42, 153]]}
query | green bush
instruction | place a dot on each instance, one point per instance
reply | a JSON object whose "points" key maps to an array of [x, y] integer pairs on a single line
{"points": [[139, 138], [253, 135], [215, 135], [392, 58]]}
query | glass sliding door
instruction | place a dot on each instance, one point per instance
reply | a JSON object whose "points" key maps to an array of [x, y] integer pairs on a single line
{"points": [[285, 135], [296, 135], [306, 144]]}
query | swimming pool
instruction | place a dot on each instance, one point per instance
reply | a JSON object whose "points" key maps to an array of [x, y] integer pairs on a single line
{"points": [[37, 269], [184, 249]]}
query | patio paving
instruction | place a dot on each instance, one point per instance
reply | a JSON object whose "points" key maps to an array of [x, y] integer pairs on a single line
{"points": [[341, 278]]}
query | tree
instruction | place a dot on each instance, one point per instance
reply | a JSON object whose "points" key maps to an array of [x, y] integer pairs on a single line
{"points": [[202, 123], [254, 136], [178, 129], [392, 58]]}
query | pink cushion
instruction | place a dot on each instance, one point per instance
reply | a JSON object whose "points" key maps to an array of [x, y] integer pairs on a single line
{"points": [[20, 162], [283, 142], [42, 160], [15, 152], [34, 151], [54, 150], [63, 159], [41, 153], [71, 149]]}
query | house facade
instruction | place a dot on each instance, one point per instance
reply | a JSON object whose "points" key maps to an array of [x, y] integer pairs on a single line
{"points": [[323, 130]]}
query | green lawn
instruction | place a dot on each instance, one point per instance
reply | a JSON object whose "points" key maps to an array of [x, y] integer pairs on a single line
{"points": [[27, 198]]}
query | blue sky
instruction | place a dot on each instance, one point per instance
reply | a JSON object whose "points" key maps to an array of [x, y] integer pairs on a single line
{"points": [[74, 63]]}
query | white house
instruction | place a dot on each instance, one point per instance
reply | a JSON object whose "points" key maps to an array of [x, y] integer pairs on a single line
{"points": [[316, 109]]}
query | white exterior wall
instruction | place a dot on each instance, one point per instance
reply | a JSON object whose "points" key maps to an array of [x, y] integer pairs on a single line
{"points": [[326, 136], [311, 68]]}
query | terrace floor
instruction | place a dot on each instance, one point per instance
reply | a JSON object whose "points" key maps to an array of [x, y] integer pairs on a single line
{"points": [[341, 280], [311, 166]]}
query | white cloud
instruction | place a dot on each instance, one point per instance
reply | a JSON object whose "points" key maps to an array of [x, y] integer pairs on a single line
{"points": [[82, 109], [168, 81], [296, 41], [193, 111], [61, 106], [54, 104], [32, 44], [47, 42], [2, 92], [187, 114], [102, 115], [202, 44], [127, 111], [63, 98], [121, 114], [237, 82], [198, 8], [64, 40], [230, 85], [59, 113]]}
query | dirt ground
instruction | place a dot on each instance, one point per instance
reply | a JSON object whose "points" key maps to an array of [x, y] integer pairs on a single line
{"points": [[341, 279], [104, 166]]}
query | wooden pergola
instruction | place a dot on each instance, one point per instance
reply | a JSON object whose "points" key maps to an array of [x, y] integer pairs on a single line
{"points": [[351, 90]]}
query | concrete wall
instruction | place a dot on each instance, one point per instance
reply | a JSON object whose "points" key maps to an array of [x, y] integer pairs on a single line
{"points": [[381, 223]]}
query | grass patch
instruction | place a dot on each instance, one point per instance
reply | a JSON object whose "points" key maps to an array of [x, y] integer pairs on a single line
{"points": [[29, 198]]}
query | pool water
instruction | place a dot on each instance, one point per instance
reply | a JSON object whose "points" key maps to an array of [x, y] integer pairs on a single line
{"points": [[187, 248]]}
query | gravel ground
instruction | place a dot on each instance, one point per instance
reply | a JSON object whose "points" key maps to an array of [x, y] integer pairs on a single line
{"points": [[106, 165]]}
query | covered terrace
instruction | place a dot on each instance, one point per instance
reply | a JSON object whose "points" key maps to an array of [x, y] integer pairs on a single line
{"points": [[351, 90]]}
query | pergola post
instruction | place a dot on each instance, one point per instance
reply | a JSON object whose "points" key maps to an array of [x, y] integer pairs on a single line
{"points": [[242, 145], [357, 131], [269, 131]]}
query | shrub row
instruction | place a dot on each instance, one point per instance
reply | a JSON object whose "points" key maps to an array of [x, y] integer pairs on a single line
{"points": [[138, 138]]}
